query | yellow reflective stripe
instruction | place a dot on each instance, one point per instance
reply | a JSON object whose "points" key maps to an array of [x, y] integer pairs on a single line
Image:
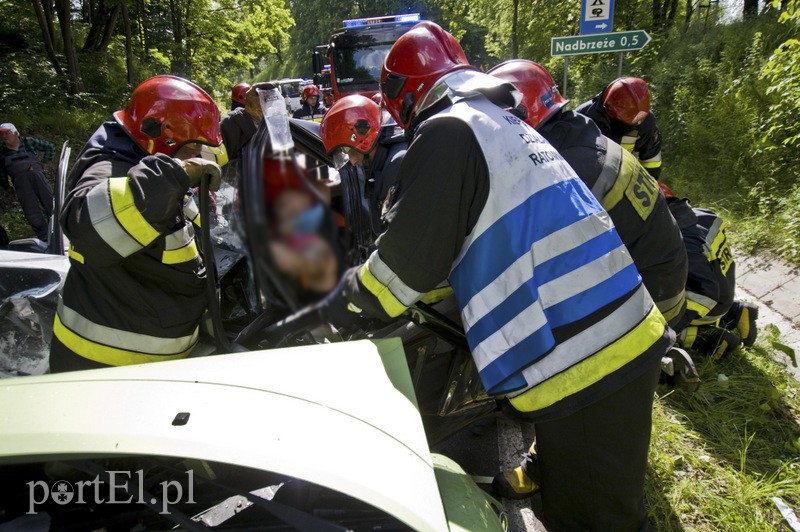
{"points": [[626, 172], [220, 154], [128, 214], [391, 305], [651, 164], [670, 312], [177, 256], [689, 336], [104, 354], [700, 304], [437, 294], [74, 254], [594, 368]]}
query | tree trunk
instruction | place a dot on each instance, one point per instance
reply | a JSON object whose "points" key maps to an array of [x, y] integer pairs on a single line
{"points": [[658, 16], [750, 9], [689, 10], [515, 29], [108, 31], [73, 67], [143, 28], [48, 41], [95, 14], [126, 24], [48, 16], [673, 10]]}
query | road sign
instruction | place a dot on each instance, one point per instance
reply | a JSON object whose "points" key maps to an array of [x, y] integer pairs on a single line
{"points": [[597, 16], [620, 41]]}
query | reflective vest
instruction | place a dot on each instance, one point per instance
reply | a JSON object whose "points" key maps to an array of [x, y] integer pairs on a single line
{"points": [[551, 301]]}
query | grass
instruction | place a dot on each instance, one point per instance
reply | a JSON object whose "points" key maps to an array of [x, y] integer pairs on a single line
{"points": [[720, 454]]}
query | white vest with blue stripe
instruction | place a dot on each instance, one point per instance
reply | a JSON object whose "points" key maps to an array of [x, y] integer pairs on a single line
{"points": [[542, 256]]}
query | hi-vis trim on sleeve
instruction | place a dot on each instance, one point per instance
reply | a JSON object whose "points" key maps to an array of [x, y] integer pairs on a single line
{"points": [[190, 211], [628, 141], [440, 293], [699, 303], [113, 346], [180, 246], [74, 255], [652, 162], [593, 369], [127, 213], [671, 307], [394, 295], [101, 213]]}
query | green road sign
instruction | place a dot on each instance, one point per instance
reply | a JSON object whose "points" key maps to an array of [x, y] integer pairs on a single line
{"points": [[620, 41]]}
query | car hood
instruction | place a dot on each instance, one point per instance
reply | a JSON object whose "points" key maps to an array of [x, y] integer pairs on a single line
{"points": [[339, 415]]}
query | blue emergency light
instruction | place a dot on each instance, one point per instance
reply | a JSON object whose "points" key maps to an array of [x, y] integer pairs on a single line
{"points": [[356, 22]]}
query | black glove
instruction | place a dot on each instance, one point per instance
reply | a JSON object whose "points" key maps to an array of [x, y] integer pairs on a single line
{"points": [[336, 309]]}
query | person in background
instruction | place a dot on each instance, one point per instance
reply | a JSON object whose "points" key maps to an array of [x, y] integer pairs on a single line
{"points": [[239, 125], [238, 94], [311, 108], [715, 322], [354, 132], [557, 319], [327, 97], [622, 112], [22, 161], [135, 290]]}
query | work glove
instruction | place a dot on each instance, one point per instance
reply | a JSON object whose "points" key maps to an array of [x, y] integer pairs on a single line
{"points": [[197, 167], [337, 310]]}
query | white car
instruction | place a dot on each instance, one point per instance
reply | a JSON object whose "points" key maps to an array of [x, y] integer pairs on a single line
{"points": [[324, 437]]}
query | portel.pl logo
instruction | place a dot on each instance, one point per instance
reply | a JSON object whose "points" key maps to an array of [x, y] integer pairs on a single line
{"points": [[113, 490]]}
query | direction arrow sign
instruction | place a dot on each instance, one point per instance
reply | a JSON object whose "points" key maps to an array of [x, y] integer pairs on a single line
{"points": [[621, 41], [597, 16]]}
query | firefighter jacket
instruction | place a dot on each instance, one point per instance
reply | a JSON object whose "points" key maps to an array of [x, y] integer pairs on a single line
{"points": [[306, 112], [135, 288], [632, 198], [643, 140], [237, 128], [554, 310], [711, 284]]}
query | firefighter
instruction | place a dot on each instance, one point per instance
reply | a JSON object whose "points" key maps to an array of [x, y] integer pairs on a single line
{"points": [[629, 194], [354, 132], [715, 322], [311, 108], [19, 160], [625, 189], [238, 94], [622, 112], [557, 319], [135, 291]]}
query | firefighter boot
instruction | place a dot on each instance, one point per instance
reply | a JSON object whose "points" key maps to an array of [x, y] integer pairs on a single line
{"points": [[745, 323], [522, 481]]}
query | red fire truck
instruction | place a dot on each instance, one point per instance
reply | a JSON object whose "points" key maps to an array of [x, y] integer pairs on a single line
{"points": [[351, 62]]}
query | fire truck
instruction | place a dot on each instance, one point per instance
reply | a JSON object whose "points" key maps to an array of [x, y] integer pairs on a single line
{"points": [[351, 62]]}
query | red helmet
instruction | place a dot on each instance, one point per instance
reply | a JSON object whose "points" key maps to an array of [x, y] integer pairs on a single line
{"points": [[627, 100], [666, 190], [540, 94], [416, 61], [310, 90], [239, 91], [353, 121], [165, 112]]}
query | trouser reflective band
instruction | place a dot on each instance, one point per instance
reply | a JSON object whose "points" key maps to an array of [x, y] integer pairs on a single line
{"points": [[115, 356]]}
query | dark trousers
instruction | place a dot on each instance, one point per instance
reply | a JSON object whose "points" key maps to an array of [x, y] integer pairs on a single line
{"points": [[592, 464], [35, 195]]}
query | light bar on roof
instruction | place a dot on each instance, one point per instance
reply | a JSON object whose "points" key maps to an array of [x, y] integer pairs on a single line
{"points": [[356, 22]]}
